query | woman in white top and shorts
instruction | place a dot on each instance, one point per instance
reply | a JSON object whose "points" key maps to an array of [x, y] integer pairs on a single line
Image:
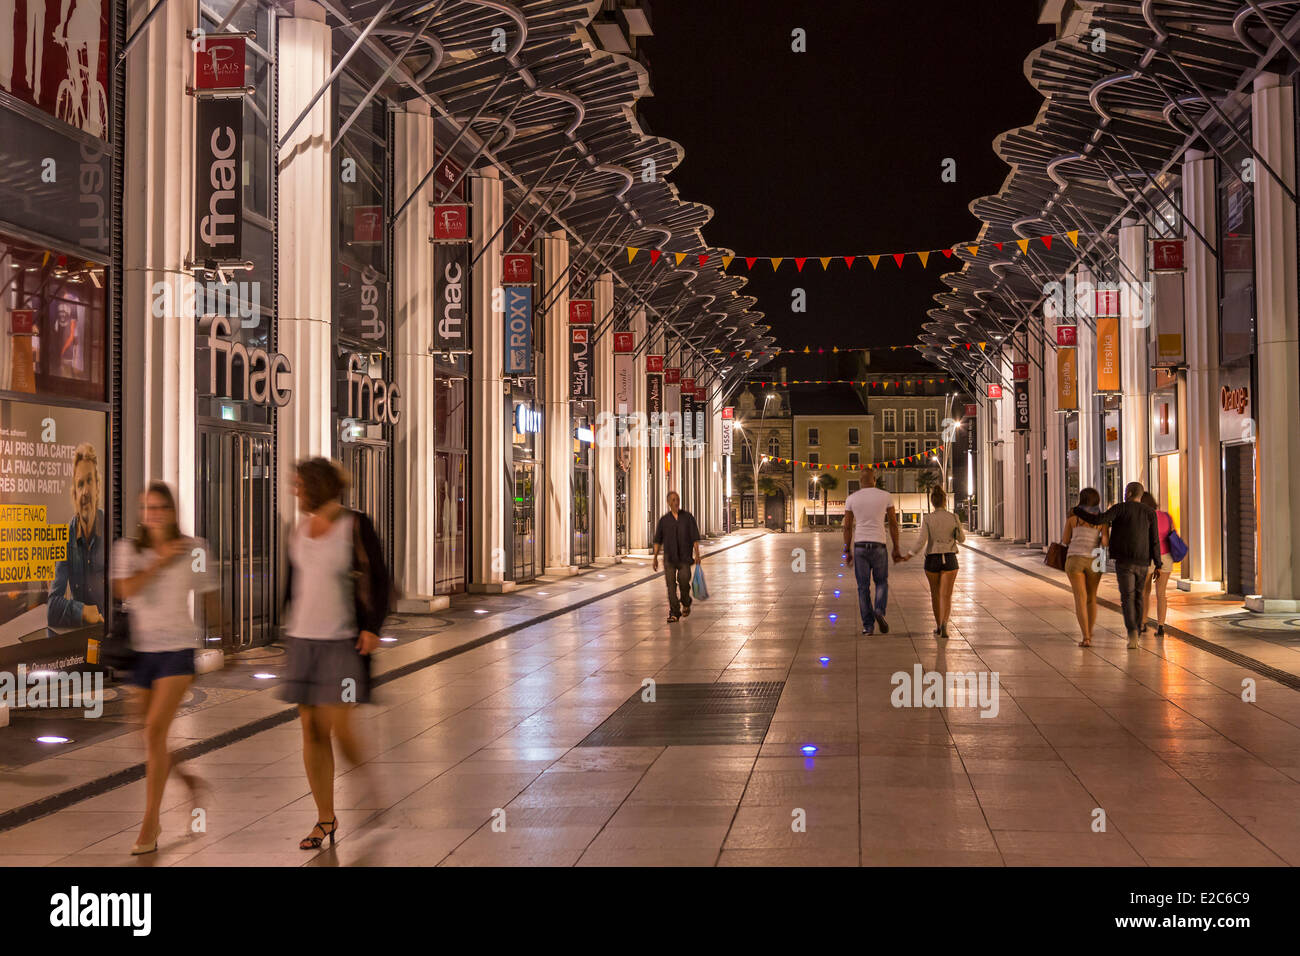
{"points": [[337, 598], [1082, 540], [154, 576], [940, 532]]}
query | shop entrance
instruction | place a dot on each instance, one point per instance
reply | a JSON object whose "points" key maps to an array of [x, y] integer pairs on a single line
{"points": [[234, 490], [523, 508], [581, 517], [367, 465], [449, 525], [1239, 518], [774, 511], [620, 511]]}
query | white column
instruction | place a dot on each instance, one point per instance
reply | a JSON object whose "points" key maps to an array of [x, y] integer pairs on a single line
{"points": [[557, 541], [158, 352], [717, 464], [1054, 439], [1201, 522], [1018, 443], [603, 454], [656, 502], [984, 456], [1277, 438], [1090, 436], [638, 504], [305, 238], [487, 513], [1135, 361], [1013, 457], [413, 310], [1037, 355]]}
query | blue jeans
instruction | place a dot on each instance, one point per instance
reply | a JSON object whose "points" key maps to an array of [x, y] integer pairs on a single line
{"points": [[871, 561]]}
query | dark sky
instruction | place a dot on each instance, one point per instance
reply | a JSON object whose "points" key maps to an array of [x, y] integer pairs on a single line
{"points": [[838, 150]]}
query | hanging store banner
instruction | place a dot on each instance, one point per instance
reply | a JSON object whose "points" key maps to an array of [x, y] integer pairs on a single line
{"points": [[219, 65], [672, 376], [1108, 354], [701, 394], [451, 222], [521, 233], [1022, 405], [994, 390], [1168, 327], [581, 311], [654, 394], [1067, 336], [367, 225], [624, 343], [364, 303], [447, 173], [451, 295], [1164, 421], [654, 363], [1067, 379], [1020, 371], [517, 268], [519, 330], [971, 411], [688, 412], [580, 364], [1107, 303], [624, 372], [1236, 409], [688, 385], [728, 429], [218, 179], [1166, 255]]}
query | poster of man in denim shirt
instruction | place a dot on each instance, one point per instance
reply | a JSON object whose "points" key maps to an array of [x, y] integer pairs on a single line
{"points": [[77, 594]]}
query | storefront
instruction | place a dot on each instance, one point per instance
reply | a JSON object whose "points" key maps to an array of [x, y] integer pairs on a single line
{"points": [[1166, 464], [523, 410], [57, 452], [582, 405]]}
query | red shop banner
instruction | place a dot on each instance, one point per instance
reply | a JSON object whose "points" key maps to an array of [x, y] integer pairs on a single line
{"points": [[58, 59], [624, 343], [517, 268], [450, 222], [581, 311], [995, 390], [673, 376], [688, 385], [654, 363], [219, 63]]}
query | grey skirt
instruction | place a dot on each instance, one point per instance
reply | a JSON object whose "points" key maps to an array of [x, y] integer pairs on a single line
{"points": [[326, 672]]}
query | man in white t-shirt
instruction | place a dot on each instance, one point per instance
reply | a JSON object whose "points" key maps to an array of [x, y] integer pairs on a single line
{"points": [[867, 513]]}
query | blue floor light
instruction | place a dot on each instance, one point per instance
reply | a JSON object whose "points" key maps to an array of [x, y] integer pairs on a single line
{"points": [[837, 592], [808, 750], [824, 660], [832, 617]]}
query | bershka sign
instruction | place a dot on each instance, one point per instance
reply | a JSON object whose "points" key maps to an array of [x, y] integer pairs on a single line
{"points": [[654, 363], [1022, 405], [218, 179], [450, 269], [517, 268], [624, 343], [580, 364], [580, 311], [519, 330], [219, 63], [264, 379], [370, 398]]}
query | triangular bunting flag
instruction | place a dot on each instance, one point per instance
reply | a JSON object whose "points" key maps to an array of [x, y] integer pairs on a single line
{"points": [[1073, 236], [973, 250], [679, 256], [947, 253], [703, 259], [848, 261], [631, 253], [874, 260], [749, 261], [798, 263], [1023, 244], [1047, 241], [826, 263], [654, 256], [726, 262], [924, 257], [898, 258], [998, 245], [776, 264]]}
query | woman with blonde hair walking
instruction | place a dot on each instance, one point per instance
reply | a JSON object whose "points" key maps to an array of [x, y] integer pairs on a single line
{"points": [[941, 530]]}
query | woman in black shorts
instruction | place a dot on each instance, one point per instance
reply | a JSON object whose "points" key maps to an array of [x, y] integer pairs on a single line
{"points": [[940, 532]]}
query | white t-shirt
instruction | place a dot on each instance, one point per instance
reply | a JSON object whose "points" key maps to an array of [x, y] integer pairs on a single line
{"points": [[322, 606], [160, 611], [868, 506]]}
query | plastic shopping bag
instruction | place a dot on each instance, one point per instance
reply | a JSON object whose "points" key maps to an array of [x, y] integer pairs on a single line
{"points": [[698, 589]]}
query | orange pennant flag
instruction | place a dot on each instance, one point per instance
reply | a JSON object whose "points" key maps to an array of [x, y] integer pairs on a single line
{"points": [[826, 263], [1073, 236], [973, 250], [1023, 244], [776, 264], [726, 262], [631, 253], [874, 260], [679, 256], [925, 257]]}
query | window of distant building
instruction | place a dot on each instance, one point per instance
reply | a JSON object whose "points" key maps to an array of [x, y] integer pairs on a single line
{"points": [[889, 449], [774, 447], [909, 447], [854, 437], [854, 485], [909, 420], [814, 458], [813, 438], [853, 459], [932, 419], [889, 419]]}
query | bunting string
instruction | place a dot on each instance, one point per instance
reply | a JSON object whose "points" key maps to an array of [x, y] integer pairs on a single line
{"points": [[973, 250], [892, 463], [879, 383], [807, 350]]}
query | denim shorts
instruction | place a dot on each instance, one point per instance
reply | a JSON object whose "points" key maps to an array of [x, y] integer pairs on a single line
{"points": [[153, 665]]}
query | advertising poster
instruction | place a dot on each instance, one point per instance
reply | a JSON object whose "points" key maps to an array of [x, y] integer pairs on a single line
{"points": [[519, 329], [53, 589], [580, 364], [58, 59]]}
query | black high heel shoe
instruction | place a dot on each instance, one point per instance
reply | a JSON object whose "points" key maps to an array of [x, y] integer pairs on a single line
{"points": [[314, 842]]}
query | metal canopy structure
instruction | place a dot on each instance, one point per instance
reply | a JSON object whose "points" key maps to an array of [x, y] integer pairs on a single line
{"points": [[1139, 83], [524, 87]]}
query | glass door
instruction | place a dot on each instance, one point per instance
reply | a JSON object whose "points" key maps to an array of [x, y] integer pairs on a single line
{"points": [[522, 506]]}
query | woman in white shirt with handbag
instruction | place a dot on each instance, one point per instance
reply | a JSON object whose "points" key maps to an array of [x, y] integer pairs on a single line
{"points": [[940, 532]]}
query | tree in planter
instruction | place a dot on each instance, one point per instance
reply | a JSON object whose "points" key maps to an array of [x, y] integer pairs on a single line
{"points": [[925, 480], [829, 483]]}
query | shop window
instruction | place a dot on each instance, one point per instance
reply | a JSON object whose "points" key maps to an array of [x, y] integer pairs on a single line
{"points": [[52, 320]]}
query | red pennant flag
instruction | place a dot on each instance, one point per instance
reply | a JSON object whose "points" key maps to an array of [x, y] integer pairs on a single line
{"points": [[848, 261], [999, 246], [898, 257], [749, 261], [654, 256], [703, 259], [947, 253], [1047, 241], [798, 263]]}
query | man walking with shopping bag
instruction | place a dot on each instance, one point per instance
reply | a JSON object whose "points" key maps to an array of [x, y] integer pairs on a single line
{"points": [[679, 537]]}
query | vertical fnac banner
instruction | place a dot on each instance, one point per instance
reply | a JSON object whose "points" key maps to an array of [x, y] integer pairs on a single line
{"points": [[218, 179], [519, 329], [580, 363], [451, 297]]}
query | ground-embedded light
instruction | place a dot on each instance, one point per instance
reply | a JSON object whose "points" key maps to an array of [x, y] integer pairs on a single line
{"points": [[264, 676], [837, 592], [52, 739], [388, 640], [808, 750], [824, 660]]}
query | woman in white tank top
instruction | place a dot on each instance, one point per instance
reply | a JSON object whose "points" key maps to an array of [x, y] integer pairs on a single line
{"points": [[1082, 541], [941, 530]]}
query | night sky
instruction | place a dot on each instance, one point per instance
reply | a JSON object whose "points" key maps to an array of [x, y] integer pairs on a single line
{"points": [[838, 151]]}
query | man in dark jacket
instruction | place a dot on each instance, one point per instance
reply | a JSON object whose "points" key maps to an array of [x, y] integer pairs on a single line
{"points": [[679, 536], [1134, 543]]}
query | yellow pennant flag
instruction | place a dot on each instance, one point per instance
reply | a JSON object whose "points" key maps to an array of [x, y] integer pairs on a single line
{"points": [[873, 260], [973, 250], [1073, 236], [826, 263], [776, 264], [1023, 244], [679, 256], [982, 344], [631, 253], [924, 257], [726, 261]]}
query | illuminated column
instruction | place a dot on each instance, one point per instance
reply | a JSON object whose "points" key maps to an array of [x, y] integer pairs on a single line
{"points": [[602, 453], [1090, 437], [1201, 524], [1135, 360], [558, 537], [306, 228], [1277, 445], [984, 419], [413, 310], [638, 503], [158, 384], [657, 499], [717, 464], [1054, 439], [1037, 355], [487, 432]]}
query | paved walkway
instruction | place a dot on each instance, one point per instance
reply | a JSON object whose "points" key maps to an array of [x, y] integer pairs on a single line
{"points": [[476, 759]]}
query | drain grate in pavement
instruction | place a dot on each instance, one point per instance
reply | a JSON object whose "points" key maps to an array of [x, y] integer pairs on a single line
{"points": [[691, 714]]}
